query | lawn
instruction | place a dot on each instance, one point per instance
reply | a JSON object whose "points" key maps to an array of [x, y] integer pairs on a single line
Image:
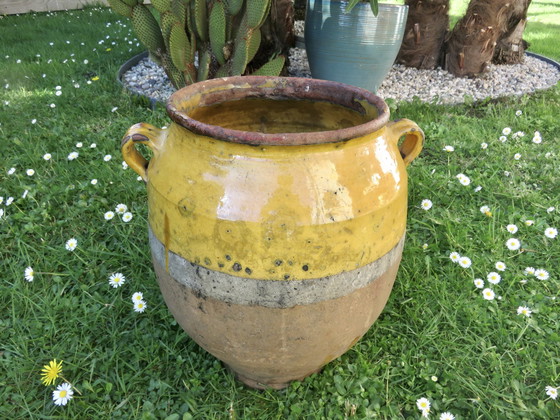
{"points": [[472, 324]]}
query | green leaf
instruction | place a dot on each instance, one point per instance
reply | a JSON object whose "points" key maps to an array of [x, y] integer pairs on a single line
{"points": [[351, 5], [374, 6]]}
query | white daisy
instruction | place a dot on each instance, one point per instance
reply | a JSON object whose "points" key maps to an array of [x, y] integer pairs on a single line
{"points": [[465, 262], [71, 244], [484, 146], [116, 280], [137, 297], [109, 215], [551, 392], [425, 246], [73, 155], [34, 121], [550, 209], [140, 306], [503, 139], [47, 156], [454, 257], [542, 274], [107, 158], [79, 145], [93, 146], [463, 179], [63, 394], [517, 156], [449, 149], [124, 165], [523, 310], [529, 222], [493, 277], [11, 171], [93, 182], [501, 266], [121, 208], [477, 189], [426, 204], [518, 113], [446, 416], [30, 172], [513, 244], [506, 131], [551, 232], [423, 404], [479, 283], [9, 201], [529, 270], [512, 228], [485, 210], [127, 217], [29, 274], [114, 109], [488, 294]]}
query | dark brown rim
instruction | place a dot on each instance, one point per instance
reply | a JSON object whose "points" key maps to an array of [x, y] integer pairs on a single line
{"points": [[233, 88]]}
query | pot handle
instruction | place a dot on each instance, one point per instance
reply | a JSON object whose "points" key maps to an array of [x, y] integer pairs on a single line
{"points": [[413, 142], [141, 133]]}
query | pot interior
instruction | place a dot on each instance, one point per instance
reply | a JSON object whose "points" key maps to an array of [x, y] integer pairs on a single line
{"points": [[273, 115], [277, 111]]}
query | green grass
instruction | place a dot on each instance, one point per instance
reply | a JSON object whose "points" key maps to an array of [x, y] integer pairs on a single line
{"points": [[490, 363]]}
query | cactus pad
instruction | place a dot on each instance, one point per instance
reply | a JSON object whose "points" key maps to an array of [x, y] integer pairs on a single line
{"points": [[179, 47], [217, 31], [161, 5], [256, 12], [200, 19], [121, 7], [147, 29], [272, 68], [234, 6]]}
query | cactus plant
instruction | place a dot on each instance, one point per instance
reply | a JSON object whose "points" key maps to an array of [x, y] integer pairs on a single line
{"points": [[195, 40]]}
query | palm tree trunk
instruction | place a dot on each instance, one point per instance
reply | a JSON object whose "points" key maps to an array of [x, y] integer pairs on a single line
{"points": [[471, 46], [426, 27], [510, 48]]}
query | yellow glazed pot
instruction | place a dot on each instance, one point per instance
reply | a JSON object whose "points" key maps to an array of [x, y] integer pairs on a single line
{"points": [[277, 216]]}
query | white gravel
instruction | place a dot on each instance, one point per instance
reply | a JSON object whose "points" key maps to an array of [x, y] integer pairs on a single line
{"points": [[401, 84]]}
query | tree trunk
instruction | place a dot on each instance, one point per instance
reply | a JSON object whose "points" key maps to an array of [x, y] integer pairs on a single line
{"points": [[510, 48], [471, 46], [426, 27]]}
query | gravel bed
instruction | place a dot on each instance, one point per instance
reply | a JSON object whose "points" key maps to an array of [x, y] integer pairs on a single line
{"points": [[401, 84]]}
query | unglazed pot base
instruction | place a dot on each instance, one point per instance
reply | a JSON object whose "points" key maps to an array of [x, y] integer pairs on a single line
{"points": [[296, 334]]}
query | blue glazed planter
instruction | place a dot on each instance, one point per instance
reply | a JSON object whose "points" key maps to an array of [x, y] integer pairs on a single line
{"points": [[356, 48]]}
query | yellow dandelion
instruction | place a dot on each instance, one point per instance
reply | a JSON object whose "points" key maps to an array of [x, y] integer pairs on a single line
{"points": [[51, 371], [95, 78]]}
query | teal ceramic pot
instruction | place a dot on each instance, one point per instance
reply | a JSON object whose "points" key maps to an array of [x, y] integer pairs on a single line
{"points": [[356, 48]]}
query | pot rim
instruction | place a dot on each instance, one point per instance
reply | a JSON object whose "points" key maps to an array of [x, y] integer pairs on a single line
{"points": [[215, 91]]}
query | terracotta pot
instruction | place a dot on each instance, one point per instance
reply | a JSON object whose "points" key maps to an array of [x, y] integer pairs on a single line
{"points": [[277, 213]]}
